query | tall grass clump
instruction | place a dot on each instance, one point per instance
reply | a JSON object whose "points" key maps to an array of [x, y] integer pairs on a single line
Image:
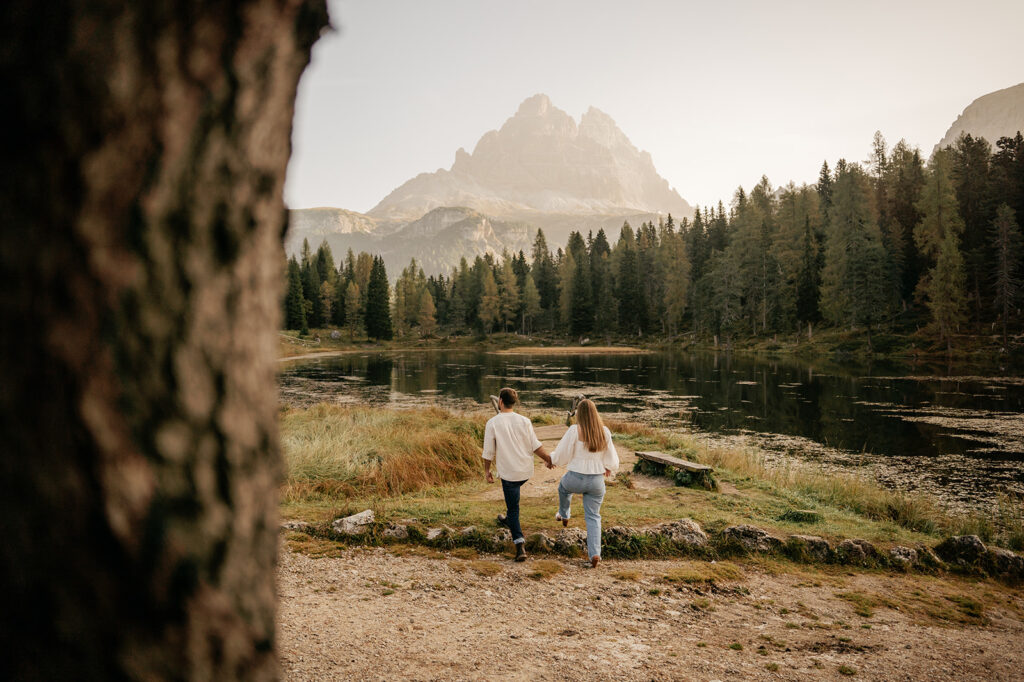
{"points": [[332, 451]]}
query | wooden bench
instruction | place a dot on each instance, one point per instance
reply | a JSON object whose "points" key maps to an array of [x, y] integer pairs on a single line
{"points": [[680, 470]]}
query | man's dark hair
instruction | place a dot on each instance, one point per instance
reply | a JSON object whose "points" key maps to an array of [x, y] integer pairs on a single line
{"points": [[508, 397]]}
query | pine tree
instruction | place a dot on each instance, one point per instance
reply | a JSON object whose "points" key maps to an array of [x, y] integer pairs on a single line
{"points": [[582, 312], [629, 292], [311, 287], [808, 287], [970, 173], [1006, 243], [338, 303], [295, 310], [508, 291], [378, 306], [938, 238], [531, 305], [566, 278], [825, 189], [545, 276], [855, 280], [905, 179], [677, 284]]}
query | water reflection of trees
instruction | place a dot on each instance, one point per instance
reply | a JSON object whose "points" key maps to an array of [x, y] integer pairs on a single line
{"points": [[837, 404]]}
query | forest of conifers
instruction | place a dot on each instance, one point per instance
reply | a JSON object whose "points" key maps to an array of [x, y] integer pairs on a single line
{"points": [[891, 243]]}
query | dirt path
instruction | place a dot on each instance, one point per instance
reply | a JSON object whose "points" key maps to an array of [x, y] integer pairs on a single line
{"points": [[370, 614]]}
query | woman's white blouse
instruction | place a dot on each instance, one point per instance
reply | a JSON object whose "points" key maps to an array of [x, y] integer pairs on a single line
{"points": [[573, 452]]}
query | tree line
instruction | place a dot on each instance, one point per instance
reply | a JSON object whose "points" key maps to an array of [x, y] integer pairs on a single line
{"points": [[889, 242]]}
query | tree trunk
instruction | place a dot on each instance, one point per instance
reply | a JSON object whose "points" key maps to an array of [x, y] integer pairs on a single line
{"points": [[140, 261]]}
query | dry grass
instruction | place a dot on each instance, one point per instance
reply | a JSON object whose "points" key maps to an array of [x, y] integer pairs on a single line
{"points": [[545, 568], [627, 574], [486, 568], [332, 451], [702, 572]]}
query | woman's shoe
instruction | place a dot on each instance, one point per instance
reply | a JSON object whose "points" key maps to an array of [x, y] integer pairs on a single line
{"points": [[594, 561], [565, 521]]}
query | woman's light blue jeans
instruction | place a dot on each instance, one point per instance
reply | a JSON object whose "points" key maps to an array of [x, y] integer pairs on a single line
{"points": [[591, 486]]}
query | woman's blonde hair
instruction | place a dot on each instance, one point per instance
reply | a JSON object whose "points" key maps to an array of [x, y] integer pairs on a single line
{"points": [[590, 426]]}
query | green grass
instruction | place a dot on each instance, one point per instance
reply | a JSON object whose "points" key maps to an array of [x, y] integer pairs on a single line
{"points": [[425, 464]]}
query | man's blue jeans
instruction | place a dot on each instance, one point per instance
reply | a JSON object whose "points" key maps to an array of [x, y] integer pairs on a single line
{"points": [[591, 486], [511, 491]]}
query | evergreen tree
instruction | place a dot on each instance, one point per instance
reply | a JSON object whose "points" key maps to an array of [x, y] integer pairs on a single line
{"points": [[295, 310], [855, 281], [311, 287], [508, 291], [629, 292], [1006, 243], [938, 238], [378, 306], [825, 189], [582, 307], [566, 279], [677, 280], [545, 276], [970, 173], [808, 288], [905, 179], [338, 308]]}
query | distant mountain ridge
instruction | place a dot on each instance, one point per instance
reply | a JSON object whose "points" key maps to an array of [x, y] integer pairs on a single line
{"points": [[995, 115], [539, 170], [541, 161]]}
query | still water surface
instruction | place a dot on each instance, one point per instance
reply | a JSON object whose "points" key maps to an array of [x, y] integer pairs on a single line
{"points": [[953, 433]]}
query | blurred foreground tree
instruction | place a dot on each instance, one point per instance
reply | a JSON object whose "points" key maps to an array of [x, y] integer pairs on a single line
{"points": [[145, 148]]}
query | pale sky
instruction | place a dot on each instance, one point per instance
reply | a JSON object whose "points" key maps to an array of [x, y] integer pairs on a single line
{"points": [[718, 92]]}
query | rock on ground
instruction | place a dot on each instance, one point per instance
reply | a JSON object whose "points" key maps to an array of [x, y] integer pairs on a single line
{"points": [[355, 524]]}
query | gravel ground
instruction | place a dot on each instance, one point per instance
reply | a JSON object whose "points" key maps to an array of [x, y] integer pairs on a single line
{"points": [[371, 614]]}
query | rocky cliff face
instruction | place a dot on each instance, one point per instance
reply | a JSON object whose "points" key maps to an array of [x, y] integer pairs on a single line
{"points": [[540, 170], [541, 161], [995, 115], [319, 224]]}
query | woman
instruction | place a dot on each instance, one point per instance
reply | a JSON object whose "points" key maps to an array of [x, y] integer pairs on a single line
{"points": [[588, 452]]}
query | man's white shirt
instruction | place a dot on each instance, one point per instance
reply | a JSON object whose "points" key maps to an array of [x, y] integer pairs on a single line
{"points": [[510, 441]]}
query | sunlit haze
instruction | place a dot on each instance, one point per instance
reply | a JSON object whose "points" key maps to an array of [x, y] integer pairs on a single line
{"points": [[719, 93]]}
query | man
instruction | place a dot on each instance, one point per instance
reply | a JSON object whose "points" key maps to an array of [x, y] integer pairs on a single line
{"points": [[510, 442]]}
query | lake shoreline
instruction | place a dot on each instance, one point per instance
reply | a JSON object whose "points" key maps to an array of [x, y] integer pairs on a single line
{"points": [[826, 345]]}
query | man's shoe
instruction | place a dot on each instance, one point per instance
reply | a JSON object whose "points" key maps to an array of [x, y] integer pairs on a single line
{"points": [[502, 521], [520, 551]]}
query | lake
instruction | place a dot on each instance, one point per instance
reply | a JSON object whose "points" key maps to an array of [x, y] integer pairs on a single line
{"points": [[956, 434]]}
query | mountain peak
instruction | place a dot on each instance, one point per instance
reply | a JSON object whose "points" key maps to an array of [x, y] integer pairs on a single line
{"points": [[997, 114], [541, 162], [538, 105]]}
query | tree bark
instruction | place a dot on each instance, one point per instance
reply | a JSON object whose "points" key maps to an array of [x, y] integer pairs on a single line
{"points": [[140, 281]]}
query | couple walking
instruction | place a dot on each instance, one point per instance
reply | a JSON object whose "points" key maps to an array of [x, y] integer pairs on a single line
{"points": [[586, 450]]}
